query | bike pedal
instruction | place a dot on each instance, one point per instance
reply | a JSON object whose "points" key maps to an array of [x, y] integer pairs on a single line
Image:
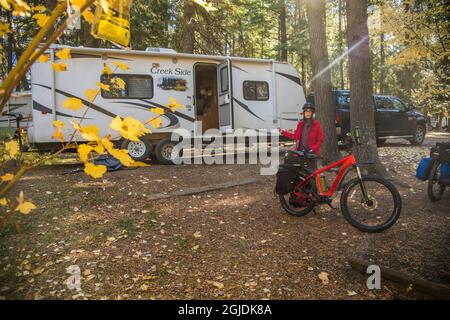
{"points": [[331, 206]]}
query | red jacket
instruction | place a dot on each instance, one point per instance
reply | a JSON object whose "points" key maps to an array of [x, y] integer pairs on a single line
{"points": [[315, 136]]}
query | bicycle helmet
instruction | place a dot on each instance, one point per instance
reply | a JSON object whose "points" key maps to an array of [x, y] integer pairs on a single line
{"points": [[309, 106]]}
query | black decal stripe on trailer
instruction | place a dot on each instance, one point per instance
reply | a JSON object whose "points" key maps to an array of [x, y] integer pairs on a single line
{"points": [[239, 68], [85, 102], [39, 107], [179, 114], [290, 77], [172, 118], [246, 108]]}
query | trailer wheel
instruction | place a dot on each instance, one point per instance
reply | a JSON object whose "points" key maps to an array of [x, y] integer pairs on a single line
{"points": [[138, 150], [163, 151]]}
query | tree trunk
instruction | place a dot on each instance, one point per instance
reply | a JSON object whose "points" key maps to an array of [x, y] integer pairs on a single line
{"points": [[361, 102], [188, 34], [382, 65], [341, 46], [283, 35], [322, 85]]}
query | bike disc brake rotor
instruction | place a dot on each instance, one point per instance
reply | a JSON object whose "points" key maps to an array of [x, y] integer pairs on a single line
{"points": [[370, 205]]}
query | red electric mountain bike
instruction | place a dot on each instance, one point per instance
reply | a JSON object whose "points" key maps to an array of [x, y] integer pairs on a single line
{"points": [[369, 203]]}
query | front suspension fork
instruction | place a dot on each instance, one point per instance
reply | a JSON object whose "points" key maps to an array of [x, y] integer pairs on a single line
{"points": [[361, 183]]}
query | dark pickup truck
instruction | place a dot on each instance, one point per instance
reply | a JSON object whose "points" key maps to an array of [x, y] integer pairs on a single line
{"points": [[393, 118]]}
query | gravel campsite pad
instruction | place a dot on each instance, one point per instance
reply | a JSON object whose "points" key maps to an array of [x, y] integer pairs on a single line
{"points": [[233, 243]]}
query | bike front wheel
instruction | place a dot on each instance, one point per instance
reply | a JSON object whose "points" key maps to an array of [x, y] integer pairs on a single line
{"points": [[376, 213]]}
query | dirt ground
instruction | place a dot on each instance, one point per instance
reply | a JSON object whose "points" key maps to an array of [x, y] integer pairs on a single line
{"points": [[234, 243]]}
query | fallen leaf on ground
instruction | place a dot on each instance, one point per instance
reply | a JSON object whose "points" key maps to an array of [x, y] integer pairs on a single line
{"points": [[324, 277]]}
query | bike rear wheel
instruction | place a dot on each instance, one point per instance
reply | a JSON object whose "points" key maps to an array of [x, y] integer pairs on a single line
{"points": [[293, 209], [379, 213], [435, 188]]}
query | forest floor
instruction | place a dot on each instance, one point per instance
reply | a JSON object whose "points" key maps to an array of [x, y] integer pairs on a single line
{"points": [[234, 243]]}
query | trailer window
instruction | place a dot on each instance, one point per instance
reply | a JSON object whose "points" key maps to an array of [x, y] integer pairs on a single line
{"points": [[256, 90], [127, 86]]}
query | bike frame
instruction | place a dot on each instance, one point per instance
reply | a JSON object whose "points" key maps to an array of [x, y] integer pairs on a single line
{"points": [[344, 164]]}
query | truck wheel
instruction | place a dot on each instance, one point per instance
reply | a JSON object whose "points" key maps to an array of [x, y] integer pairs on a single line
{"points": [[163, 151], [419, 135], [138, 150]]}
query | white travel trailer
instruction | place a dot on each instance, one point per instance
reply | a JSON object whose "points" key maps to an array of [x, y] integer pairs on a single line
{"points": [[226, 93]]}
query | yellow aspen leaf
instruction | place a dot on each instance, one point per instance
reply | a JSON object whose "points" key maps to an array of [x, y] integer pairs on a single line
{"points": [[88, 16], [118, 83], [12, 148], [89, 132], [77, 4], [21, 8], [63, 54], [73, 104], [159, 111], [58, 67], [95, 171], [58, 134], [43, 58], [122, 155], [3, 202], [83, 152], [99, 148], [23, 206], [41, 19], [4, 29], [5, 4], [174, 105], [39, 8], [106, 69], [138, 164], [129, 128], [91, 94], [121, 65], [7, 177], [155, 122], [103, 86], [58, 124]]}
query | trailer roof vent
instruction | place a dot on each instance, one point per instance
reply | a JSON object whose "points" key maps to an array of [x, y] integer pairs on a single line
{"points": [[160, 50]]}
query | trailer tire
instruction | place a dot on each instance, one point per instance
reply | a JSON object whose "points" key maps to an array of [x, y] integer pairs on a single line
{"points": [[163, 150], [138, 151]]}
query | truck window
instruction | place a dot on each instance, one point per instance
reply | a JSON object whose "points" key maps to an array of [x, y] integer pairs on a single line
{"points": [[384, 103], [398, 105], [127, 86], [256, 90]]}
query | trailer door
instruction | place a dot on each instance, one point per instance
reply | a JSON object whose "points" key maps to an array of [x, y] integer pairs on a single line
{"points": [[225, 96]]}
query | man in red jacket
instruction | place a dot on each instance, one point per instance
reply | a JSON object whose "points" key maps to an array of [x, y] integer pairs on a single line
{"points": [[309, 133]]}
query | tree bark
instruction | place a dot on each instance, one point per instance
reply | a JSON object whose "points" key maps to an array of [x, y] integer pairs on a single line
{"points": [[322, 85], [382, 65], [362, 113], [341, 46], [283, 33], [188, 33]]}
